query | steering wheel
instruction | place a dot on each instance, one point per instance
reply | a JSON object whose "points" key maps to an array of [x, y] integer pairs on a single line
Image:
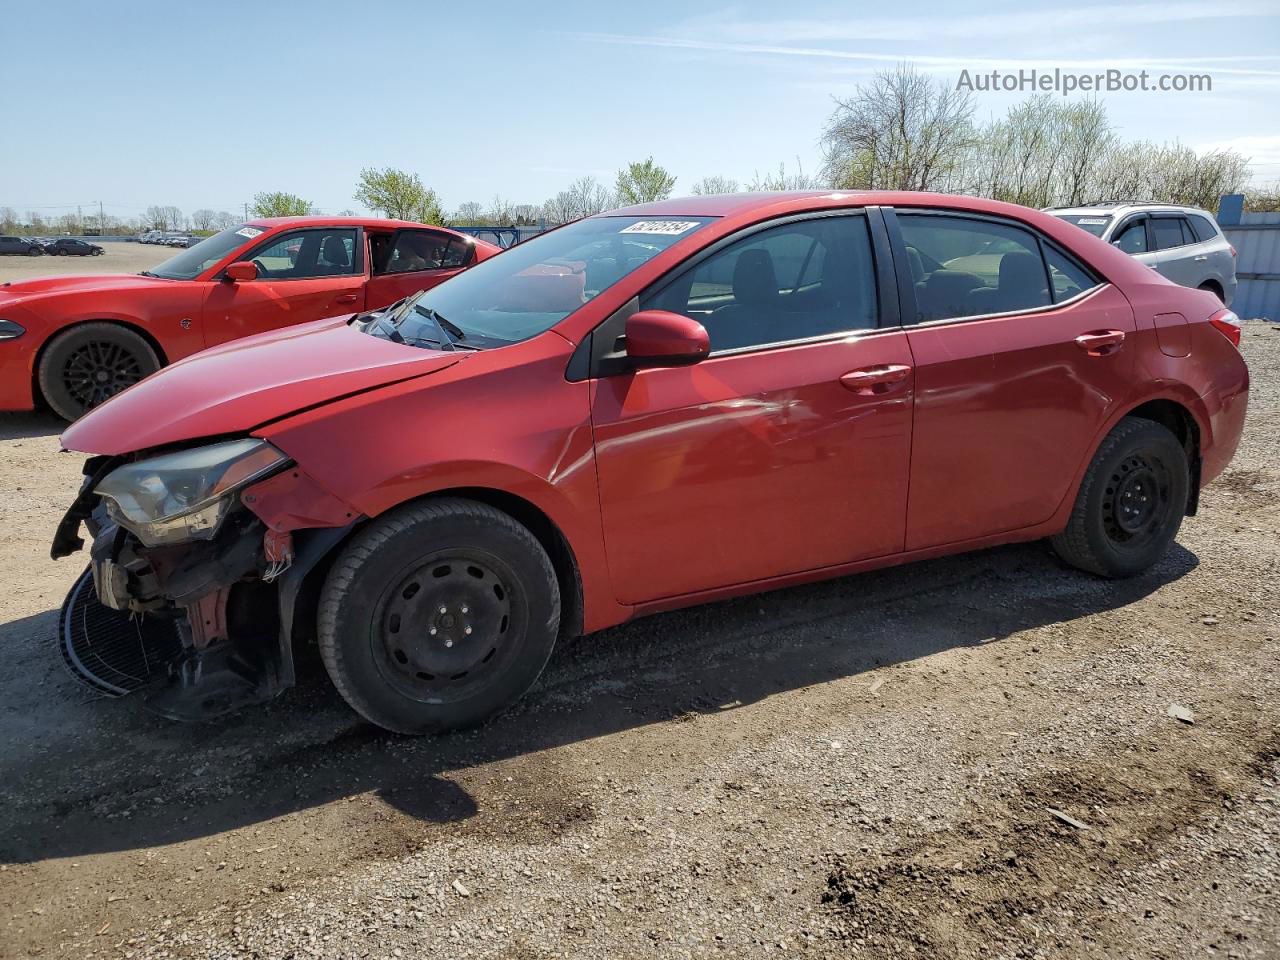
{"points": [[262, 269]]}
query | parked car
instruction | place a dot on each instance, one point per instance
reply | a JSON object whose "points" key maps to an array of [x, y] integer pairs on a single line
{"points": [[26, 246], [1184, 244], [71, 247], [74, 341], [646, 409]]}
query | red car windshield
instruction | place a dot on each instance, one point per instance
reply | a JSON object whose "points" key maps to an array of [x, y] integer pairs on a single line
{"points": [[193, 261], [533, 286]]}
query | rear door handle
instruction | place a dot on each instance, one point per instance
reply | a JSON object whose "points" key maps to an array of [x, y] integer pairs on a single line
{"points": [[1099, 343], [1202, 257], [346, 298], [877, 379]]}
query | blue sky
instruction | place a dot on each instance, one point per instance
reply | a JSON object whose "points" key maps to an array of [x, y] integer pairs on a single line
{"points": [[202, 105]]}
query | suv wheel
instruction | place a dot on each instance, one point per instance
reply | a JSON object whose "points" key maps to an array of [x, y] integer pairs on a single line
{"points": [[1131, 502], [438, 615], [87, 365]]}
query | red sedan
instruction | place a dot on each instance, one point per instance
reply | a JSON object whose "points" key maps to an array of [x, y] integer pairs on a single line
{"points": [[75, 341], [646, 409]]}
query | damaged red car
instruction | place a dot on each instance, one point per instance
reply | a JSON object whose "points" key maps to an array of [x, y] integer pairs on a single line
{"points": [[646, 409], [73, 342]]}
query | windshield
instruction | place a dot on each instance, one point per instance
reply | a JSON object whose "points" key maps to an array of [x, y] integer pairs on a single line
{"points": [[1095, 225], [193, 261], [533, 286]]}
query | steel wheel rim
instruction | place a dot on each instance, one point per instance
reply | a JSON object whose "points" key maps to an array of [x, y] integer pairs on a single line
{"points": [[445, 628], [1138, 498], [99, 370]]}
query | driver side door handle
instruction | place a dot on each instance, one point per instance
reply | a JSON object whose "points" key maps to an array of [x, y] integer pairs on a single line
{"points": [[346, 298], [877, 379]]}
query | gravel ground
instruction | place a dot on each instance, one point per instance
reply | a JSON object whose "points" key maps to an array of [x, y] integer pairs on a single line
{"points": [[120, 257], [868, 767]]}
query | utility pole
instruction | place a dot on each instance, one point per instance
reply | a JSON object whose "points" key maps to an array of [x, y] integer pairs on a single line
{"points": [[102, 221]]}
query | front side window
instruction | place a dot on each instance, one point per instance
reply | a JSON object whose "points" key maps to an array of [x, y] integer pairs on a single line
{"points": [[536, 284], [965, 267], [306, 254], [1133, 238], [1166, 232], [791, 282]]}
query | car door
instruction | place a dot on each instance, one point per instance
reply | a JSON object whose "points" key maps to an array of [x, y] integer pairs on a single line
{"points": [[1013, 378], [787, 449], [411, 260], [303, 275]]}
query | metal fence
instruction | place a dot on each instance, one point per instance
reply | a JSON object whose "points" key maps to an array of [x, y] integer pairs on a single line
{"points": [[1256, 237]]}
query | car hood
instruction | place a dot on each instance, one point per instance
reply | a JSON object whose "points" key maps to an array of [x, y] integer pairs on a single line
{"points": [[104, 282], [246, 383]]}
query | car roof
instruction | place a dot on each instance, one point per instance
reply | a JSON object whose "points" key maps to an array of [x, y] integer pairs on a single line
{"points": [[1108, 209], [271, 222]]}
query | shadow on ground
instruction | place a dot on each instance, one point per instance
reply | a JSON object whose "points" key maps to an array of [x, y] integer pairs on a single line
{"points": [[18, 426], [85, 776]]}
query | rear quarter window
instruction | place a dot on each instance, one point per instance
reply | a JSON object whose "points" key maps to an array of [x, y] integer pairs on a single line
{"points": [[1203, 228]]}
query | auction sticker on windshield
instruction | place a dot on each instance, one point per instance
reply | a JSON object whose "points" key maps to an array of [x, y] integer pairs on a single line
{"points": [[1093, 220], [668, 228], [249, 232]]}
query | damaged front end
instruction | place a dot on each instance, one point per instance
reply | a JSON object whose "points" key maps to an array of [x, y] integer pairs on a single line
{"points": [[197, 568]]}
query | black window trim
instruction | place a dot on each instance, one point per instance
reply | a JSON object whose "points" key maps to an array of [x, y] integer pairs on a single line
{"points": [[357, 252], [1167, 215], [602, 353], [906, 286]]}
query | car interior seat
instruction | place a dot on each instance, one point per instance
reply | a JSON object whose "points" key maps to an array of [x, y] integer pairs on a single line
{"points": [[755, 308], [1021, 285]]}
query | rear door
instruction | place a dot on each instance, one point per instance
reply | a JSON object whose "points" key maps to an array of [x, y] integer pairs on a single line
{"points": [[1175, 257], [787, 449], [413, 260], [1016, 368], [303, 275]]}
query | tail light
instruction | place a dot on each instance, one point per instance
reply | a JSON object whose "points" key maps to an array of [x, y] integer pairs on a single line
{"points": [[1232, 248], [1227, 324]]}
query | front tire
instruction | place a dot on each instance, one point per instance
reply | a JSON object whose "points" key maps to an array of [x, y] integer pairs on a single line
{"points": [[88, 364], [438, 615], [1130, 504]]}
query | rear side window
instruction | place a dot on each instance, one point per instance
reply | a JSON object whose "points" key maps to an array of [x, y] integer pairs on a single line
{"points": [[791, 282], [1066, 279], [1202, 228], [415, 250], [1166, 232], [964, 267]]}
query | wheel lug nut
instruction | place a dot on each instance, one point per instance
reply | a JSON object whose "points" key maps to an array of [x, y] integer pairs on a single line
{"points": [[444, 609], [465, 610], [448, 643], [467, 631], [433, 631]]}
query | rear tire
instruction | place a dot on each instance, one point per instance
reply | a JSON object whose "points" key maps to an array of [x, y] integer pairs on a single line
{"points": [[438, 615], [1130, 504], [90, 363]]}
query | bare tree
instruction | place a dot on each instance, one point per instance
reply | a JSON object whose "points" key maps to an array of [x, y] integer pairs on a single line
{"points": [[8, 219], [222, 219], [904, 132], [203, 219], [468, 213], [713, 185], [783, 180], [584, 197]]}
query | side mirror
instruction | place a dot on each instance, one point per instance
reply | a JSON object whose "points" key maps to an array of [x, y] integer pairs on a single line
{"points": [[242, 270], [659, 338]]}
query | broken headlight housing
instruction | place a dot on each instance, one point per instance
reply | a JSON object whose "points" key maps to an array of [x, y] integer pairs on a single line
{"points": [[183, 496]]}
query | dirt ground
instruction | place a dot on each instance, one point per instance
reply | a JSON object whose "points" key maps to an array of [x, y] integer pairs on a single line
{"points": [[867, 767], [120, 257]]}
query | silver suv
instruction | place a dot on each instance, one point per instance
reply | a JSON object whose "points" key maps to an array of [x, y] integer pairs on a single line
{"points": [[1184, 244]]}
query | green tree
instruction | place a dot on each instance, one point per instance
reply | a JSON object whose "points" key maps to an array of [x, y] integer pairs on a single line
{"points": [[644, 182], [278, 204], [399, 195]]}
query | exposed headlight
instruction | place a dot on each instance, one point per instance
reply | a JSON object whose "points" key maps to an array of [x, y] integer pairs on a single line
{"points": [[183, 496], [10, 330]]}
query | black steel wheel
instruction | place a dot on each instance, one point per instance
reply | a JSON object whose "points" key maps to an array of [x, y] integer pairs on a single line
{"points": [[1131, 502], [91, 363], [437, 615], [443, 627]]}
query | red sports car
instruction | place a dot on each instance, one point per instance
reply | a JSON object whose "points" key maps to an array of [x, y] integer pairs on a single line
{"points": [[646, 409], [76, 341]]}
